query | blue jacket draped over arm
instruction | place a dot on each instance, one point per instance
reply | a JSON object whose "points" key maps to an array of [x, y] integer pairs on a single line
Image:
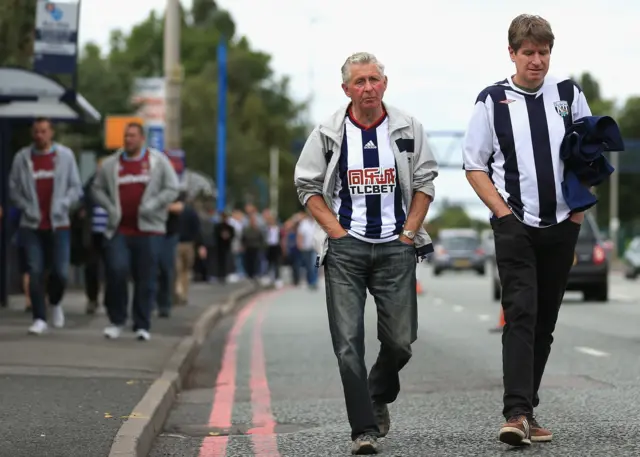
{"points": [[585, 165]]}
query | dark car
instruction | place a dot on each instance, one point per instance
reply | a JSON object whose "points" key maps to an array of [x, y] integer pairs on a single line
{"points": [[590, 271], [459, 250]]}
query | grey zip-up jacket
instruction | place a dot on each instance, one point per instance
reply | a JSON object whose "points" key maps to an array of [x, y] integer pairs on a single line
{"points": [[316, 170], [162, 190], [67, 187]]}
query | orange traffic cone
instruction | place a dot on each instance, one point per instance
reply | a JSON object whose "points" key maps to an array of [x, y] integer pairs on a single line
{"points": [[419, 289], [501, 322]]}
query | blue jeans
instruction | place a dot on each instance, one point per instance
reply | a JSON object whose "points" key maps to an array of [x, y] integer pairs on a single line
{"points": [[238, 260], [167, 270], [309, 264], [388, 272], [136, 256], [46, 250], [295, 261]]}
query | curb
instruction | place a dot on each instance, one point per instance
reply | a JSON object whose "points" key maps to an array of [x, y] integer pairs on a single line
{"points": [[137, 433]]}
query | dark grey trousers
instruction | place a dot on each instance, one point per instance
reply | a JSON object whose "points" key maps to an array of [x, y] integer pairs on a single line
{"points": [[388, 271]]}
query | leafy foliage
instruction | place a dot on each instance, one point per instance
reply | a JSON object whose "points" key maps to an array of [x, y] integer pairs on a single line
{"points": [[261, 113]]}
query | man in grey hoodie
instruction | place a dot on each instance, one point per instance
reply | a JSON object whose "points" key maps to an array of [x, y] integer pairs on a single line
{"points": [[44, 183], [135, 185]]}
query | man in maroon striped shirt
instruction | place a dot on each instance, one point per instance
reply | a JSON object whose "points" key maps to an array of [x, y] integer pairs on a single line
{"points": [[135, 185], [44, 184]]}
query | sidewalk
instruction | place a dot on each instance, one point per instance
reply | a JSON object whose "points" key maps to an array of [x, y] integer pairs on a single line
{"points": [[66, 393]]}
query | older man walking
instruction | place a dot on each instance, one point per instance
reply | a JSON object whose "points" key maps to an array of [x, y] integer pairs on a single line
{"points": [[366, 175]]}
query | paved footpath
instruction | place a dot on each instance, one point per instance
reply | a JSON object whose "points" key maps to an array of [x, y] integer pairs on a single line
{"points": [[266, 383], [66, 393]]}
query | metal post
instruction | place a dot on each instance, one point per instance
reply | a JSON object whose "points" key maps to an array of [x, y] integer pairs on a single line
{"points": [[614, 222], [221, 172], [173, 76], [274, 180]]}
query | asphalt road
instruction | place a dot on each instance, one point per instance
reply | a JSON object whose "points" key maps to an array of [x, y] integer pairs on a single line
{"points": [[66, 393], [279, 394]]}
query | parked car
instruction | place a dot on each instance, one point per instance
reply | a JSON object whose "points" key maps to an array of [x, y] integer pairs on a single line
{"points": [[631, 259], [590, 271], [458, 249]]}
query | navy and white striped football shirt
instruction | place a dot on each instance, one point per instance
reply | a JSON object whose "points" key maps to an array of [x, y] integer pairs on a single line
{"points": [[367, 197], [515, 136]]}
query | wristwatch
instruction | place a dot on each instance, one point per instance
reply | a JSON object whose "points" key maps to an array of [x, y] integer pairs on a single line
{"points": [[409, 234]]}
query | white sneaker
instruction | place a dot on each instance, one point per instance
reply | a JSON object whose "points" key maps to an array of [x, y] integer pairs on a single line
{"points": [[143, 335], [57, 316], [113, 332], [279, 284], [38, 327]]}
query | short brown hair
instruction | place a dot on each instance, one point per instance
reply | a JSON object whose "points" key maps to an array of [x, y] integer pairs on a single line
{"points": [[135, 125], [529, 27], [40, 120]]}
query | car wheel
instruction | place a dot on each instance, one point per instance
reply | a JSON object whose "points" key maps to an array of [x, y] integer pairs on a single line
{"points": [[481, 271], [437, 272], [598, 293], [631, 273]]}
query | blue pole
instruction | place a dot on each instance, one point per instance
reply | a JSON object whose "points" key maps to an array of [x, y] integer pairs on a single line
{"points": [[222, 124]]}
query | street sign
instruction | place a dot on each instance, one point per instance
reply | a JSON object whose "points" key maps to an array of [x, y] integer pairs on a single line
{"points": [[55, 45], [155, 137]]}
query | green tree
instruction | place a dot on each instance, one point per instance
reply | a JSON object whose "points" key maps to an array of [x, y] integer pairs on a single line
{"points": [[16, 32], [260, 112], [591, 89], [629, 118]]}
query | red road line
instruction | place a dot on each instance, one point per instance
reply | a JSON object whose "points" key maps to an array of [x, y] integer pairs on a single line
{"points": [[225, 388], [263, 434]]}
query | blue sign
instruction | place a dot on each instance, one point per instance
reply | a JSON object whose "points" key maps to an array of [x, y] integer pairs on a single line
{"points": [[55, 46], [155, 137]]}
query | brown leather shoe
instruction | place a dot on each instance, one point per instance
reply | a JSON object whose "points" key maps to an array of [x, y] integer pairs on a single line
{"points": [[539, 434], [516, 431]]}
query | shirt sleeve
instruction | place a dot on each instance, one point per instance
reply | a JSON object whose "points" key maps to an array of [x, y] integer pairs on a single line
{"points": [[580, 105], [477, 146]]}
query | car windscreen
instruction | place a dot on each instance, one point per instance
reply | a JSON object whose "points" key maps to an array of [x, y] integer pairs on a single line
{"points": [[460, 243]]}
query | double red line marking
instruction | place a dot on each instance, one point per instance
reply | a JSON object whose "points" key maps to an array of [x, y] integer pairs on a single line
{"points": [[263, 433]]}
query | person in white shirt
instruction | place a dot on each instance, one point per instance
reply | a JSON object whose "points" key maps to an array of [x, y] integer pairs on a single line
{"points": [[236, 221], [511, 155], [306, 230], [273, 252]]}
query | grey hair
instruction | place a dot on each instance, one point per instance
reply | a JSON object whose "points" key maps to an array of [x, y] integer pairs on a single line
{"points": [[359, 58]]}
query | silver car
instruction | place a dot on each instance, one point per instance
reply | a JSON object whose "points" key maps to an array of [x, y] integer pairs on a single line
{"points": [[459, 251]]}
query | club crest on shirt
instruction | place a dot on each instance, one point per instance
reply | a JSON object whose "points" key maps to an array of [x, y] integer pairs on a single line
{"points": [[562, 108]]}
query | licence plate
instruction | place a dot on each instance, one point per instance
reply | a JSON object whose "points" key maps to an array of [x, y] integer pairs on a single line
{"points": [[461, 263]]}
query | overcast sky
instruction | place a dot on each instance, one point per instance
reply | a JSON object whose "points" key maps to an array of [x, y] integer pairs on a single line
{"points": [[438, 54]]}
